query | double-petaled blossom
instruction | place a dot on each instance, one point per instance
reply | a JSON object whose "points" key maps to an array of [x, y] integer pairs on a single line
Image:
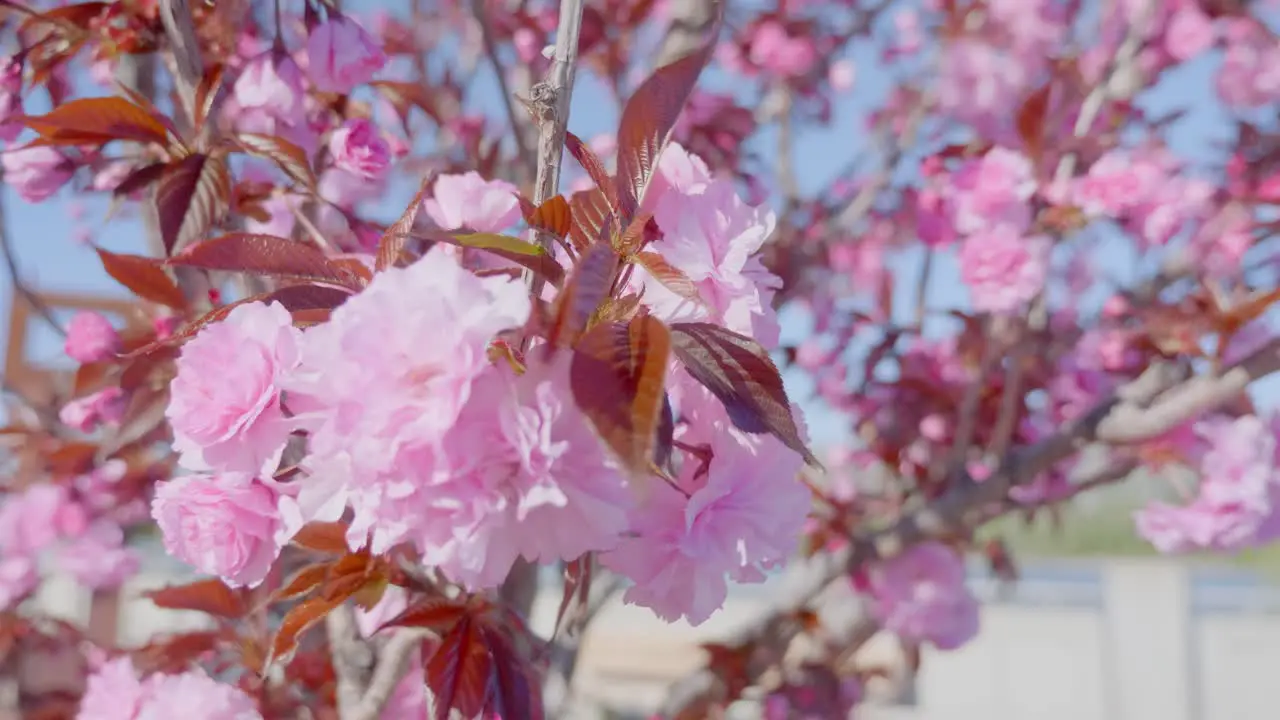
{"points": [[713, 237], [37, 518], [359, 148], [1003, 268], [36, 173], [342, 55], [224, 525], [921, 596], [382, 383], [225, 399], [271, 84], [86, 413], [91, 338], [1238, 502], [470, 201], [116, 692], [739, 511]]}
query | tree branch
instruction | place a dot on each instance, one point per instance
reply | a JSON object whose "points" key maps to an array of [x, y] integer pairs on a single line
{"points": [[366, 678], [527, 160], [175, 15]]}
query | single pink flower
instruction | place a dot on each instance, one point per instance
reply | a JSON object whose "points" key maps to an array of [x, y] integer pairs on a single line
{"points": [[271, 84], [381, 384], [98, 558], [36, 173], [1190, 32], [778, 52], [921, 596], [91, 338], [533, 476], [195, 695], [223, 525], [224, 402], [113, 692], [86, 413], [342, 55], [18, 579], [1003, 269], [470, 201], [359, 148], [37, 518]]}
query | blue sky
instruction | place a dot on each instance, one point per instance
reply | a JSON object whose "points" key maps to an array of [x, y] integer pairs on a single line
{"points": [[50, 258]]}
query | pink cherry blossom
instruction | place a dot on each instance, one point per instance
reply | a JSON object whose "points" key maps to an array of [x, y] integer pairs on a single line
{"points": [[91, 338], [36, 173], [470, 201], [18, 579], [86, 413], [98, 558], [744, 515], [993, 189], [38, 517], [713, 237], [10, 98], [533, 478], [777, 51], [381, 384], [1003, 268], [225, 400], [223, 525], [197, 696], [342, 55], [114, 692], [1190, 32], [1238, 503], [358, 148], [678, 170], [271, 84], [1250, 72], [921, 596]]}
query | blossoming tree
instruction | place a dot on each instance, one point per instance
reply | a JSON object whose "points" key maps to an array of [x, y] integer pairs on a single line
{"points": [[383, 427]]}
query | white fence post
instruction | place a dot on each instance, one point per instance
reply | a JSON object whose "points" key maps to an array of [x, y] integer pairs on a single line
{"points": [[1147, 606]]}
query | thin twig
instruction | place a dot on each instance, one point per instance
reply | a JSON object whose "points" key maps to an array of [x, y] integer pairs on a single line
{"points": [[528, 162]]}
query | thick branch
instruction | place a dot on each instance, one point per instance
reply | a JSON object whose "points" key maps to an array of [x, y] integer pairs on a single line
{"points": [[690, 22], [175, 15], [366, 678]]}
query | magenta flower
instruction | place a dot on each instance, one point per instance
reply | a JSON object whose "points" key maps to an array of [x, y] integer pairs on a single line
{"points": [[223, 525], [91, 338], [358, 148], [225, 400], [921, 596], [470, 201], [342, 55], [36, 173]]}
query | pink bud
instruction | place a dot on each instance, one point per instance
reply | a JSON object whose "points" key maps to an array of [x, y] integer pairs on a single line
{"points": [[91, 338]]}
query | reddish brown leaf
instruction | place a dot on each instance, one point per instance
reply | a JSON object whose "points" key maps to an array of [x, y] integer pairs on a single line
{"points": [[586, 157], [299, 619], [671, 277], [350, 573], [1030, 120], [394, 239], [266, 255], [329, 537], [139, 179], [740, 373], [552, 216], [638, 233], [457, 673], [97, 121], [292, 297], [438, 614], [175, 653], [143, 416], [588, 213], [590, 285], [291, 159], [191, 197], [207, 596], [302, 582], [514, 692], [617, 376], [144, 276], [207, 93], [91, 377], [649, 117], [72, 458]]}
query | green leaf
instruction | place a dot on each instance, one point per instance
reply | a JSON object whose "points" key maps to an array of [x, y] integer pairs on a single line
{"points": [[495, 241]]}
